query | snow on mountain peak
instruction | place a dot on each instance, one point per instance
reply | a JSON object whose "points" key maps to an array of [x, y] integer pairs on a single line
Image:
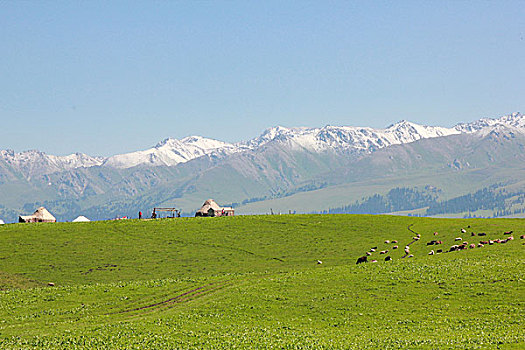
{"points": [[516, 120], [171, 152]]}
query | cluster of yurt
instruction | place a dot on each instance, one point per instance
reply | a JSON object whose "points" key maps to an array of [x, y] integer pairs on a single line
{"points": [[43, 215]]}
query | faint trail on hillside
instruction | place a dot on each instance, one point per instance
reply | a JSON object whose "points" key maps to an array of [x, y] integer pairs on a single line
{"points": [[409, 227], [183, 297], [218, 246]]}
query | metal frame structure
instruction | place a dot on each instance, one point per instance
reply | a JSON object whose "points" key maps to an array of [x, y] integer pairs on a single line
{"points": [[175, 213]]}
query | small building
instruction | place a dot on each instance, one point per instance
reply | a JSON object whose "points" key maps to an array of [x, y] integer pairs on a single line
{"points": [[40, 215], [2, 222], [211, 208], [81, 218]]}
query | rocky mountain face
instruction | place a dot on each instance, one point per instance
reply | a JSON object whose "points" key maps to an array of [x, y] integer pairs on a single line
{"points": [[280, 162]]}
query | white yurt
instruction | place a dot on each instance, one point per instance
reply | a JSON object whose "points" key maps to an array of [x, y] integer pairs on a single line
{"points": [[2, 222], [40, 215], [81, 218]]}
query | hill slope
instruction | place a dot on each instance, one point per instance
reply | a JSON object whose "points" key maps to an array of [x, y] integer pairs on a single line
{"points": [[255, 282]]}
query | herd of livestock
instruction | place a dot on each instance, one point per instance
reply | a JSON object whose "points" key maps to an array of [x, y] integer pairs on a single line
{"points": [[460, 246]]}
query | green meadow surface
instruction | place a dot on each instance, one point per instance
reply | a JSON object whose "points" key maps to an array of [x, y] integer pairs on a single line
{"points": [[254, 282]]}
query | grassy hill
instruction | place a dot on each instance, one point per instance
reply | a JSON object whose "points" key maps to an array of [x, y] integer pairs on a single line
{"points": [[254, 282]]}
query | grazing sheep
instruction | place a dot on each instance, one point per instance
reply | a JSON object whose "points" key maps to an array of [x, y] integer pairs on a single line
{"points": [[383, 252], [374, 247], [472, 246], [522, 237], [415, 238], [418, 235], [394, 241], [491, 242], [388, 258], [439, 251], [508, 232], [480, 245], [362, 259], [407, 250], [395, 247], [319, 262], [368, 253], [458, 239], [463, 230], [510, 238], [435, 233], [482, 234], [472, 234], [373, 261], [51, 284], [387, 241], [410, 256], [454, 248], [465, 243], [372, 250], [431, 252]]}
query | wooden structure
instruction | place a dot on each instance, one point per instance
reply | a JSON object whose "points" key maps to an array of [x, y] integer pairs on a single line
{"points": [[174, 212]]}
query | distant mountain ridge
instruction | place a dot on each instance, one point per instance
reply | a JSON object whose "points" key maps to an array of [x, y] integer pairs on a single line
{"points": [[283, 168], [171, 152]]}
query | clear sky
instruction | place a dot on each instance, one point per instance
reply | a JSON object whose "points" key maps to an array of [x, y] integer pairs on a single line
{"points": [[111, 77]]}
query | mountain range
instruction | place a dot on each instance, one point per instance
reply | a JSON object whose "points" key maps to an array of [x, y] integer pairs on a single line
{"points": [[300, 169]]}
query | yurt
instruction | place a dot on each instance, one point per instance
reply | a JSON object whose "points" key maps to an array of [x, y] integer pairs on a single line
{"points": [[211, 208], [81, 218], [40, 215]]}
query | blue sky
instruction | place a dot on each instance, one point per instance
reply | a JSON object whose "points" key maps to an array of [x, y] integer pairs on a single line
{"points": [[111, 77]]}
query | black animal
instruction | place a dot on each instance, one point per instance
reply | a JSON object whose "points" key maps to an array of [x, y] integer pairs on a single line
{"points": [[482, 234], [362, 259], [388, 258]]}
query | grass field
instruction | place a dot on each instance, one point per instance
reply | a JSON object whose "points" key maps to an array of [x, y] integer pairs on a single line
{"points": [[254, 282]]}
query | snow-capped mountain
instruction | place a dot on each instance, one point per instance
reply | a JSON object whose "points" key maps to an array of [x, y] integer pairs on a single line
{"points": [[336, 139], [171, 152], [279, 162], [34, 162], [514, 120], [341, 138]]}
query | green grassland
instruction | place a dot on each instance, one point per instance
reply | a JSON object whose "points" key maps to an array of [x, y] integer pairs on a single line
{"points": [[254, 282]]}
